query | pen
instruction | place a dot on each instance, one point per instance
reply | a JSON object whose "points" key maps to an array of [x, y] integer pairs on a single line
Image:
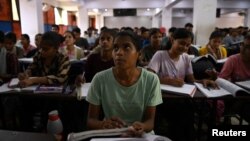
{"points": [[208, 88]]}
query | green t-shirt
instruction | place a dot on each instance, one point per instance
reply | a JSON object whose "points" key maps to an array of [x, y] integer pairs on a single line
{"points": [[128, 103]]}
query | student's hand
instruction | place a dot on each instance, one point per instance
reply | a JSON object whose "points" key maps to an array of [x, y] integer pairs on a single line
{"points": [[24, 83], [177, 82], [22, 76], [80, 79], [136, 130], [113, 122], [210, 83], [212, 73]]}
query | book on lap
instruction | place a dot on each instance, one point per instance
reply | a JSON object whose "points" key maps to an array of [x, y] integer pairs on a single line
{"points": [[185, 90], [226, 88]]}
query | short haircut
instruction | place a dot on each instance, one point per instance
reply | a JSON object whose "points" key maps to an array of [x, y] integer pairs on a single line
{"points": [[109, 31], [77, 30], [11, 36], [215, 34], [153, 31], [51, 38], [172, 29], [189, 25], [134, 38], [103, 28]]}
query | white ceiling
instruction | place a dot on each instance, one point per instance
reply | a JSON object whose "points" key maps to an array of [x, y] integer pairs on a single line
{"points": [[111, 4]]}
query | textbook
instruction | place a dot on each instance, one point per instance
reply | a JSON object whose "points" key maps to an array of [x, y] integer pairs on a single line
{"points": [[145, 137], [82, 91], [244, 84], [6, 89], [185, 90], [226, 88], [209, 57], [108, 135], [49, 89], [96, 133]]}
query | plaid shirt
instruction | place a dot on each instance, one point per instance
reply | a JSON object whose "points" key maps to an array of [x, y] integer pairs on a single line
{"points": [[56, 73]]}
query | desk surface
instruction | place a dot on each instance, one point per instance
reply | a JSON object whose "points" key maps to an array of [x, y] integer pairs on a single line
{"points": [[6, 135]]}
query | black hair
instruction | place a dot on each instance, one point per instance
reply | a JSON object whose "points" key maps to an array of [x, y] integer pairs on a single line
{"points": [[143, 29], [109, 31], [1, 36], [73, 35], [179, 33], [172, 29], [103, 28], [51, 38], [39, 34], [77, 30], [215, 34], [134, 38], [153, 31], [56, 26], [129, 29], [11, 36], [26, 36], [189, 25]]}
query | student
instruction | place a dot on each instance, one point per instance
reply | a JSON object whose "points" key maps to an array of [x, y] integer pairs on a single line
{"points": [[102, 60], [70, 49], [127, 94], [55, 28], [8, 61], [38, 39], [81, 42], [237, 68], [27, 47], [214, 46], [148, 51], [9, 43], [173, 67], [49, 66]]}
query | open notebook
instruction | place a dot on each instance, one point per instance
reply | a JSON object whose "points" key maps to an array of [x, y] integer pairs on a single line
{"points": [[185, 90], [107, 134], [226, 88]]}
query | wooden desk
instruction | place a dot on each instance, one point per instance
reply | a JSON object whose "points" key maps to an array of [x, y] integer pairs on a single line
{"points": [[6, 135]]}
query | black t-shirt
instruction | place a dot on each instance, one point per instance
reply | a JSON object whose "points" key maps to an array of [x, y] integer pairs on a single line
{"points": [[94, 65]]}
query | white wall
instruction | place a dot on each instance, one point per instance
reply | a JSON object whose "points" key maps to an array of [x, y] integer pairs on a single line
{"points": [[230, 20], [132, 21], [180, 22]]}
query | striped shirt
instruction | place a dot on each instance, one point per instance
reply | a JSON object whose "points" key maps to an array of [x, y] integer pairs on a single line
{"points": [[56, 73]]}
